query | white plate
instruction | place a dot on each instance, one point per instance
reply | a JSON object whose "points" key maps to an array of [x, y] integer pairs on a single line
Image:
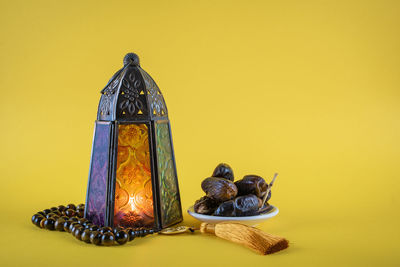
{"points": [[249, 220]]}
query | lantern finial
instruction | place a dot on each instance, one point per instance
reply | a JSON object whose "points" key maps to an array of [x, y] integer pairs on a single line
{"points": [[131, 58]]}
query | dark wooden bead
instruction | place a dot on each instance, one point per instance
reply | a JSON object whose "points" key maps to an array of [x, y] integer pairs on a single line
{"points": [[95, 238], [52, 215], [61, 208], [71, 206], [53, 208], [142, 233], [121, 237], [82, 220], [57, 212], [88, 225], [70, 212], [36, 219], [66, 226], [46, 211], [42, 222], [73, 219], [59, 224], [80, 207], [80, 213], [139, 233], [131, 234], [107, 239], [86, 235], [117, 229], [76, 226], [65, 217], [94, 228], [42, 213], [78, 232], [72, 225], [49, 224], [105, 229]]}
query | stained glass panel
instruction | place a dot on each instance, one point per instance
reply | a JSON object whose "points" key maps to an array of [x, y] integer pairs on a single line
{"points": [[169, 196], [133, 189], [96, 199]]}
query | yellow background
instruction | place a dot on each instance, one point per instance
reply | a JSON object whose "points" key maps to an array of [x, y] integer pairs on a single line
{"points": [[308, 89]]}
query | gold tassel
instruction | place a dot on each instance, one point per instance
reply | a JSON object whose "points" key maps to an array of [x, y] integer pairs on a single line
{"points": [[250, 237]]}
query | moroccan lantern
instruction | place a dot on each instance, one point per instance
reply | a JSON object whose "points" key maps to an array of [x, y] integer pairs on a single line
{"points": [[132, 177]]}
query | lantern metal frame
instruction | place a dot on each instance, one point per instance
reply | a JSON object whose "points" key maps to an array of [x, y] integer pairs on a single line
{"points": [[115, 115]]}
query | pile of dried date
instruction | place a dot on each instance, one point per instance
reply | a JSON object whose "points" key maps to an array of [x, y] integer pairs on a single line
{"points": [[224, 197]]}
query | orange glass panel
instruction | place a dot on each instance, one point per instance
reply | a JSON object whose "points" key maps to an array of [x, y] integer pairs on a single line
{"points": [[133, 190]]}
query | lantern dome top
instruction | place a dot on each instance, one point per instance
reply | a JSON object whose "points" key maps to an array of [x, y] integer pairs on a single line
{"points": [[131, 58], [131, 95]]}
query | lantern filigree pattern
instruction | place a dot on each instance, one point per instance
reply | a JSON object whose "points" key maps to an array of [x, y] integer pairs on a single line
{"points": [[157, 104], [132, 178], [133, 190]]}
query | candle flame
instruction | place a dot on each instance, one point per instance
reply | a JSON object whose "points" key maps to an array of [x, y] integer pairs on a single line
{"points": [[131, 202]]}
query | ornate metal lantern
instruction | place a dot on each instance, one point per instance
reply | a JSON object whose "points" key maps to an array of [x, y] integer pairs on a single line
{"points": [[132, 177]]}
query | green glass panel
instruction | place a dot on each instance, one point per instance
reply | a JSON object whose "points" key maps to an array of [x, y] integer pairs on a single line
{"points": [[171, 211]]}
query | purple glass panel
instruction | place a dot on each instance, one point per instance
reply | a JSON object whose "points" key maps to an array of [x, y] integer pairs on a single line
{"points": [[97, 188]]}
